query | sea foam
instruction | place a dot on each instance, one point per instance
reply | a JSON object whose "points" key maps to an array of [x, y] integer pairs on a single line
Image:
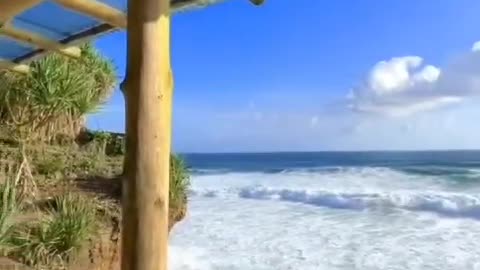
{"points": [[336, 218]]}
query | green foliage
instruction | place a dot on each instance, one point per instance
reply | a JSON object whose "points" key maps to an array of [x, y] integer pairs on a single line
{"points": [[50, 165], [49, 106], [98, 141], [179, 181], [111, 144], [36, 245], [9, 205], [56, 239], [56, 95], [89, 163], [100, 136], [74, 221], [116, 146], [66, 223]]}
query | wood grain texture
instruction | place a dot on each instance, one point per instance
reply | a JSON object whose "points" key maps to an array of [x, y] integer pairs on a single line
{"points": [[39, 41], [11, 8], [97, 10], [149, 91]]}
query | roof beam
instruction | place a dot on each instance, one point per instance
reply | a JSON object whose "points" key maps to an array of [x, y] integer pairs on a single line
{"points": [[39, 41], [97, 10], [19, 68], [73, 40], [11, 8]]}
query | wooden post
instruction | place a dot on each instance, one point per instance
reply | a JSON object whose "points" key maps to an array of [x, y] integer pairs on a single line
{"points": [[149, 111]]}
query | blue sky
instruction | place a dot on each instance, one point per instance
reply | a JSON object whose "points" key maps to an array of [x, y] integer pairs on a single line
{"points": [[310, 75]]}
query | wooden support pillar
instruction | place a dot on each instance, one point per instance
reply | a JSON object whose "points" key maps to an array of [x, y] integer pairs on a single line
{"points": [[149, 111], [123, 89]]}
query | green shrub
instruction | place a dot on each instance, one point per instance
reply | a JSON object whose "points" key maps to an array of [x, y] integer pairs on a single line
{"points": [[73, 219], [113, 144], [116, 146], [100, 136], [36, 245], [71, 222], [179, 181], [9, 204], [56, 95]]}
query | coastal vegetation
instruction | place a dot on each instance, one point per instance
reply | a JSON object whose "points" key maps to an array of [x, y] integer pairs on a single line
{"points": [[60, 184]]}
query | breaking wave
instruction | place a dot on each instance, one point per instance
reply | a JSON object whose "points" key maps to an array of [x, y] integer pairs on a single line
{"points": [[452, 205], [358, 189]]}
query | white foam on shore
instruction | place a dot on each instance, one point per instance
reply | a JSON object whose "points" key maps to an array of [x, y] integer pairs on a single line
{"points": [[346, 219]]}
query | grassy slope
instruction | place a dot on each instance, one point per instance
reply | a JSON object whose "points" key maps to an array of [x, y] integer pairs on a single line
{"points": [[90, 174]]}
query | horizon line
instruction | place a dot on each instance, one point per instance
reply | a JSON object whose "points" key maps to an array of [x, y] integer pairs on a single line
{"points": [[328, 151]]}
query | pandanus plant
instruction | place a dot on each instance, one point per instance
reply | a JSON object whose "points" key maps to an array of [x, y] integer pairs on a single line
{"points": [[56, 95], [53, 99]]}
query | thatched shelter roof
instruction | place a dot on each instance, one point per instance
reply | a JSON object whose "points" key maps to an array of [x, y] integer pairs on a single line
{"points": [[31, 28]]}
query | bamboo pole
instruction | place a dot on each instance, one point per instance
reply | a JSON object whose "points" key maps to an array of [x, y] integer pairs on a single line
{"points": [[39, 41], [11, 8], [97, 10], [149, 110]]}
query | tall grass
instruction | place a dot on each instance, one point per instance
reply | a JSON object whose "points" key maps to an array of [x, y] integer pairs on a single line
{"points": [[179, 181], [56, 239], [9, 205], [74, 221]]}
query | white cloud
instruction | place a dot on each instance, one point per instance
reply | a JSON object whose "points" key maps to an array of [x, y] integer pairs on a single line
{"points": [[476, 46], [427, 74], [399, 74], [407, 108], [405, 85]]}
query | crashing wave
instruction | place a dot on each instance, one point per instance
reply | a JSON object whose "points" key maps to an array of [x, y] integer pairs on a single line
{"points": [[445, 204]]}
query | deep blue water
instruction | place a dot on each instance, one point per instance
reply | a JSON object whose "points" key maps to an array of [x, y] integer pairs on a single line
{"points": [[453, 163]]}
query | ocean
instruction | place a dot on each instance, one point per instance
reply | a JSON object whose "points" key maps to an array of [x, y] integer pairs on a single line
{"points": [[331, 210]]}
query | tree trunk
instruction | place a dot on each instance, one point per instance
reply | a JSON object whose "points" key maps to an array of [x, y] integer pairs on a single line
{"points": [[149, 103]]}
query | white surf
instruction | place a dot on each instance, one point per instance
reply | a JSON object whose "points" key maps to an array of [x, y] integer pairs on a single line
{"points": [[347, 218]]}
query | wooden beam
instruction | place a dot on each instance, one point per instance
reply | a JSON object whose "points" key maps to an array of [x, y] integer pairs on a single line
{"points": [[19, 68], [73, 40], [149, 115], [11, 8], [39, 41], [97, 10]]}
